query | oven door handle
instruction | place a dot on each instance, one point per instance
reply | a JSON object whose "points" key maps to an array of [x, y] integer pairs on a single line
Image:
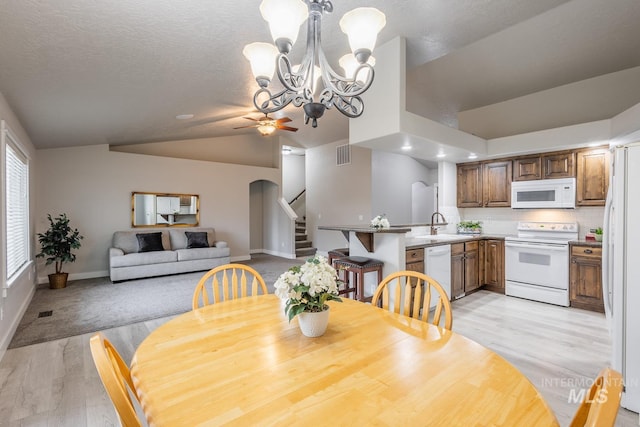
{"points": [[541, 247]]}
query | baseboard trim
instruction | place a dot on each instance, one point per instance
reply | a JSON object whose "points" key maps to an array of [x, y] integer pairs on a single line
{"points": [[78, 276], [240, 258], [279, 254]]}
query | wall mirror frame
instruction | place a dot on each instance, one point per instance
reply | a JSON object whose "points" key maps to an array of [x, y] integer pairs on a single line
{"points": [[164, 209]]}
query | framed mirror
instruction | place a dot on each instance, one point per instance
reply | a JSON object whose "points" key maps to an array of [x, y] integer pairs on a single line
{"points": [[164, 210]]}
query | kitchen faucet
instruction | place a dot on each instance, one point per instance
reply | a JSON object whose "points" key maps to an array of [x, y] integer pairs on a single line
{"points": [[437, 214]]}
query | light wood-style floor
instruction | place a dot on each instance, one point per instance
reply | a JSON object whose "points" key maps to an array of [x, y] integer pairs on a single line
{"points": [[56, 384]]}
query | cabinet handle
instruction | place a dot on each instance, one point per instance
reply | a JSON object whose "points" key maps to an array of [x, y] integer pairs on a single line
{"points": [[588, 251]]}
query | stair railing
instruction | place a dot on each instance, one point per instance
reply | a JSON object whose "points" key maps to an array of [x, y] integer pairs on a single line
{"points": [[304, 190]]}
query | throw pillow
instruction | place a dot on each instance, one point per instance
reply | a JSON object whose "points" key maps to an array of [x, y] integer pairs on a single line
{"points": [[149, 242], [197, 239]]}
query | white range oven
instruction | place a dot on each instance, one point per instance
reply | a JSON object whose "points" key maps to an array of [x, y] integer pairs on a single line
{"points": [[537, 261]]}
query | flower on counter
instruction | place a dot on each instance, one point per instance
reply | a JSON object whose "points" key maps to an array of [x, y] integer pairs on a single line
{"points": [[308, 287], [380, 221]]}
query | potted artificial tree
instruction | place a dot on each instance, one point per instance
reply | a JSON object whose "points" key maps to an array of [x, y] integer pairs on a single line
{"points": [[57, 243]]}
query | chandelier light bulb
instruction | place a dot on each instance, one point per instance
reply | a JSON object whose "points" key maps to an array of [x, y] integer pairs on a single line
{"points": [[284, 18], [362, 26], [350, 64], [262, 57]]}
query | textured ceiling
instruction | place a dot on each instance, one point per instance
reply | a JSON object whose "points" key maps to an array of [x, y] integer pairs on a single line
{"points": [[80, 72]]}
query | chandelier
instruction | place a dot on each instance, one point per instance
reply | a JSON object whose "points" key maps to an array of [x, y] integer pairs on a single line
{"points": [[314, 75]]}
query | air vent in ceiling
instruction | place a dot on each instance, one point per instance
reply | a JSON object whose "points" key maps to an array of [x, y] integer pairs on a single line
{"points": [[343, 155]]}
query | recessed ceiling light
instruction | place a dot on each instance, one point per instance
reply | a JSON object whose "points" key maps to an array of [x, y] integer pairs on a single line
{"points": [[441, 155], [184, 116], [473, 156], [406, 147]]}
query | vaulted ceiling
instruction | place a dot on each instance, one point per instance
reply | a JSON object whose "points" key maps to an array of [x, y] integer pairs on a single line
{"points": [[81, 72]]}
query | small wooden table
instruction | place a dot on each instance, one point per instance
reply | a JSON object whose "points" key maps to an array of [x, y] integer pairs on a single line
{"points": [[240, 362]]}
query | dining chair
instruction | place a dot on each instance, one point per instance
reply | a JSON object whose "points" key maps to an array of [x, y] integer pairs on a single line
{"points": [[116, 378], [229, 281], [601, 403], [411, 294]]}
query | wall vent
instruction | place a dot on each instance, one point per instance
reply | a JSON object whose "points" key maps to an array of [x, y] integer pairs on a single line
{"points": [[343, 155]]}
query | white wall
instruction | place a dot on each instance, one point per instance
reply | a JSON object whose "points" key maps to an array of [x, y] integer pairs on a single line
{"points": [[293, 182], [93, 186], [336, 195], [392, 176], [14, 301]]}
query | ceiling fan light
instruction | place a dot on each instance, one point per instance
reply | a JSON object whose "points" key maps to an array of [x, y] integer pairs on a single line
{"points": [[350, 64], [262, 57], [362, 26], [284, 18], [266, 129]]}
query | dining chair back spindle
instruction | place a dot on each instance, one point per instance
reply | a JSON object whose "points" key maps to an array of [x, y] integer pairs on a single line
{"points": [[601, 403], [415, 295], [116, 378], [229, 281]]}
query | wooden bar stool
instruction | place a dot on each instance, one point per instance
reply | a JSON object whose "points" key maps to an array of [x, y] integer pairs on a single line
{"points": [[336, 254], [359, 266]]}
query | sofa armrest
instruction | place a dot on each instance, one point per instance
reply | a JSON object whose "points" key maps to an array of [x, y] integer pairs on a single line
{"points": [[220, 244], [115, 252]]}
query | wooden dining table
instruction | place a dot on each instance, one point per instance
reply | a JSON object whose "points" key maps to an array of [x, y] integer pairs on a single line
{"points": [[241, 362]]}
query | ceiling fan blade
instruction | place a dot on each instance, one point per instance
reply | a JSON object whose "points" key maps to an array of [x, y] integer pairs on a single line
{"points": [[289, 128], [251, 118], [283, 120], [244, 127]]}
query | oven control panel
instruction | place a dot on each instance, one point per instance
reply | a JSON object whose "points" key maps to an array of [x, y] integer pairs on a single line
{"points": [[569, 227]]}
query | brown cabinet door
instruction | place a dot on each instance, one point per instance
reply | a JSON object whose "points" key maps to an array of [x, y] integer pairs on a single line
{"points": [[481, 261], [494, 265], [526, 168], [457, 270], [592, 177], [585, 283], [496, 185], [469, 185], [558, 165], [471, 268]]}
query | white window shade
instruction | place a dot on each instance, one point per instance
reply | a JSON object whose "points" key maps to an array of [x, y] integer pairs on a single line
{"points": [[17, 208]]}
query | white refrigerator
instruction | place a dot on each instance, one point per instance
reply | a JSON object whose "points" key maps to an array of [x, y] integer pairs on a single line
{"points": [[621, 268]]}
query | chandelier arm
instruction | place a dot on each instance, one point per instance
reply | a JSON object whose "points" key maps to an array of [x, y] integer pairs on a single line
{"points": [[351, 87], [278, 100], [349, 106]]}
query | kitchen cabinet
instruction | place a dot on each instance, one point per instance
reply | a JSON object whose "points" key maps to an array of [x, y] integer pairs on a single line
{"points": [[558, 165], [464, 268], [585, 278], [527, 168], [592, 177], [415, 260], [492, 264], [544, 166], [496, 184], [469, 185]]}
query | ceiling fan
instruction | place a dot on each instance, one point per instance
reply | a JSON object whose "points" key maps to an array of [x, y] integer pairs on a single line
{"points": [[267, 125]]}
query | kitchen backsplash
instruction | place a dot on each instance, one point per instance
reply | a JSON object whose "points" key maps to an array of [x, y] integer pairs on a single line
{"points": [[505, 220]]}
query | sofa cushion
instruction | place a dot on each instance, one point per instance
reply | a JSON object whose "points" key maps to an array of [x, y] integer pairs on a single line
{"points": [[128, 242], [201, 253], [149, 242], [144, 258], [179, 238], [196, 239]]}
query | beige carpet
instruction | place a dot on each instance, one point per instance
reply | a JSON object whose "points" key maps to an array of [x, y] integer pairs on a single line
{"points": [[94, 304]]}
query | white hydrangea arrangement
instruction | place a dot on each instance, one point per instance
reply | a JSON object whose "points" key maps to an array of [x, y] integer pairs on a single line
{"points": [[308, 287], [380, 221]]}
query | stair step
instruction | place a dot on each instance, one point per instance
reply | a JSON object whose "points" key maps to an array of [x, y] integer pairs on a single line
{"points": [[303, 244], [301, 230], [301, 236], [307, 252]]}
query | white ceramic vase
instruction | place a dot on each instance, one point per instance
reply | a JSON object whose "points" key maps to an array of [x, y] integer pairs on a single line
{"points": [[313, 324]]}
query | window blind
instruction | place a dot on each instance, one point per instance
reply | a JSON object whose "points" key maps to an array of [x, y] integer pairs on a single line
{"points": [[17, 210]]}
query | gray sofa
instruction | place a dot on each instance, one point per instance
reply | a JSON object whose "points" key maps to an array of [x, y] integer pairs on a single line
{"points": [[127, 262]]}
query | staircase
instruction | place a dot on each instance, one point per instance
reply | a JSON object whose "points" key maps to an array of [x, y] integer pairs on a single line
{"points": [[304, 247]]}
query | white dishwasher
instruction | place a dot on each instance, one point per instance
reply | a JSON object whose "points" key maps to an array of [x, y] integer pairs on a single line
{"points": [[438, 265]]}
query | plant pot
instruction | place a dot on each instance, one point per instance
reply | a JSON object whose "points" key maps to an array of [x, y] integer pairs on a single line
{"points": [[598, 237], [313, 324], [58, 280]]}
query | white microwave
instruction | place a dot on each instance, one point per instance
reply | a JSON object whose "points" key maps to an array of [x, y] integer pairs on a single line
{"points": [[544, 194]]}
